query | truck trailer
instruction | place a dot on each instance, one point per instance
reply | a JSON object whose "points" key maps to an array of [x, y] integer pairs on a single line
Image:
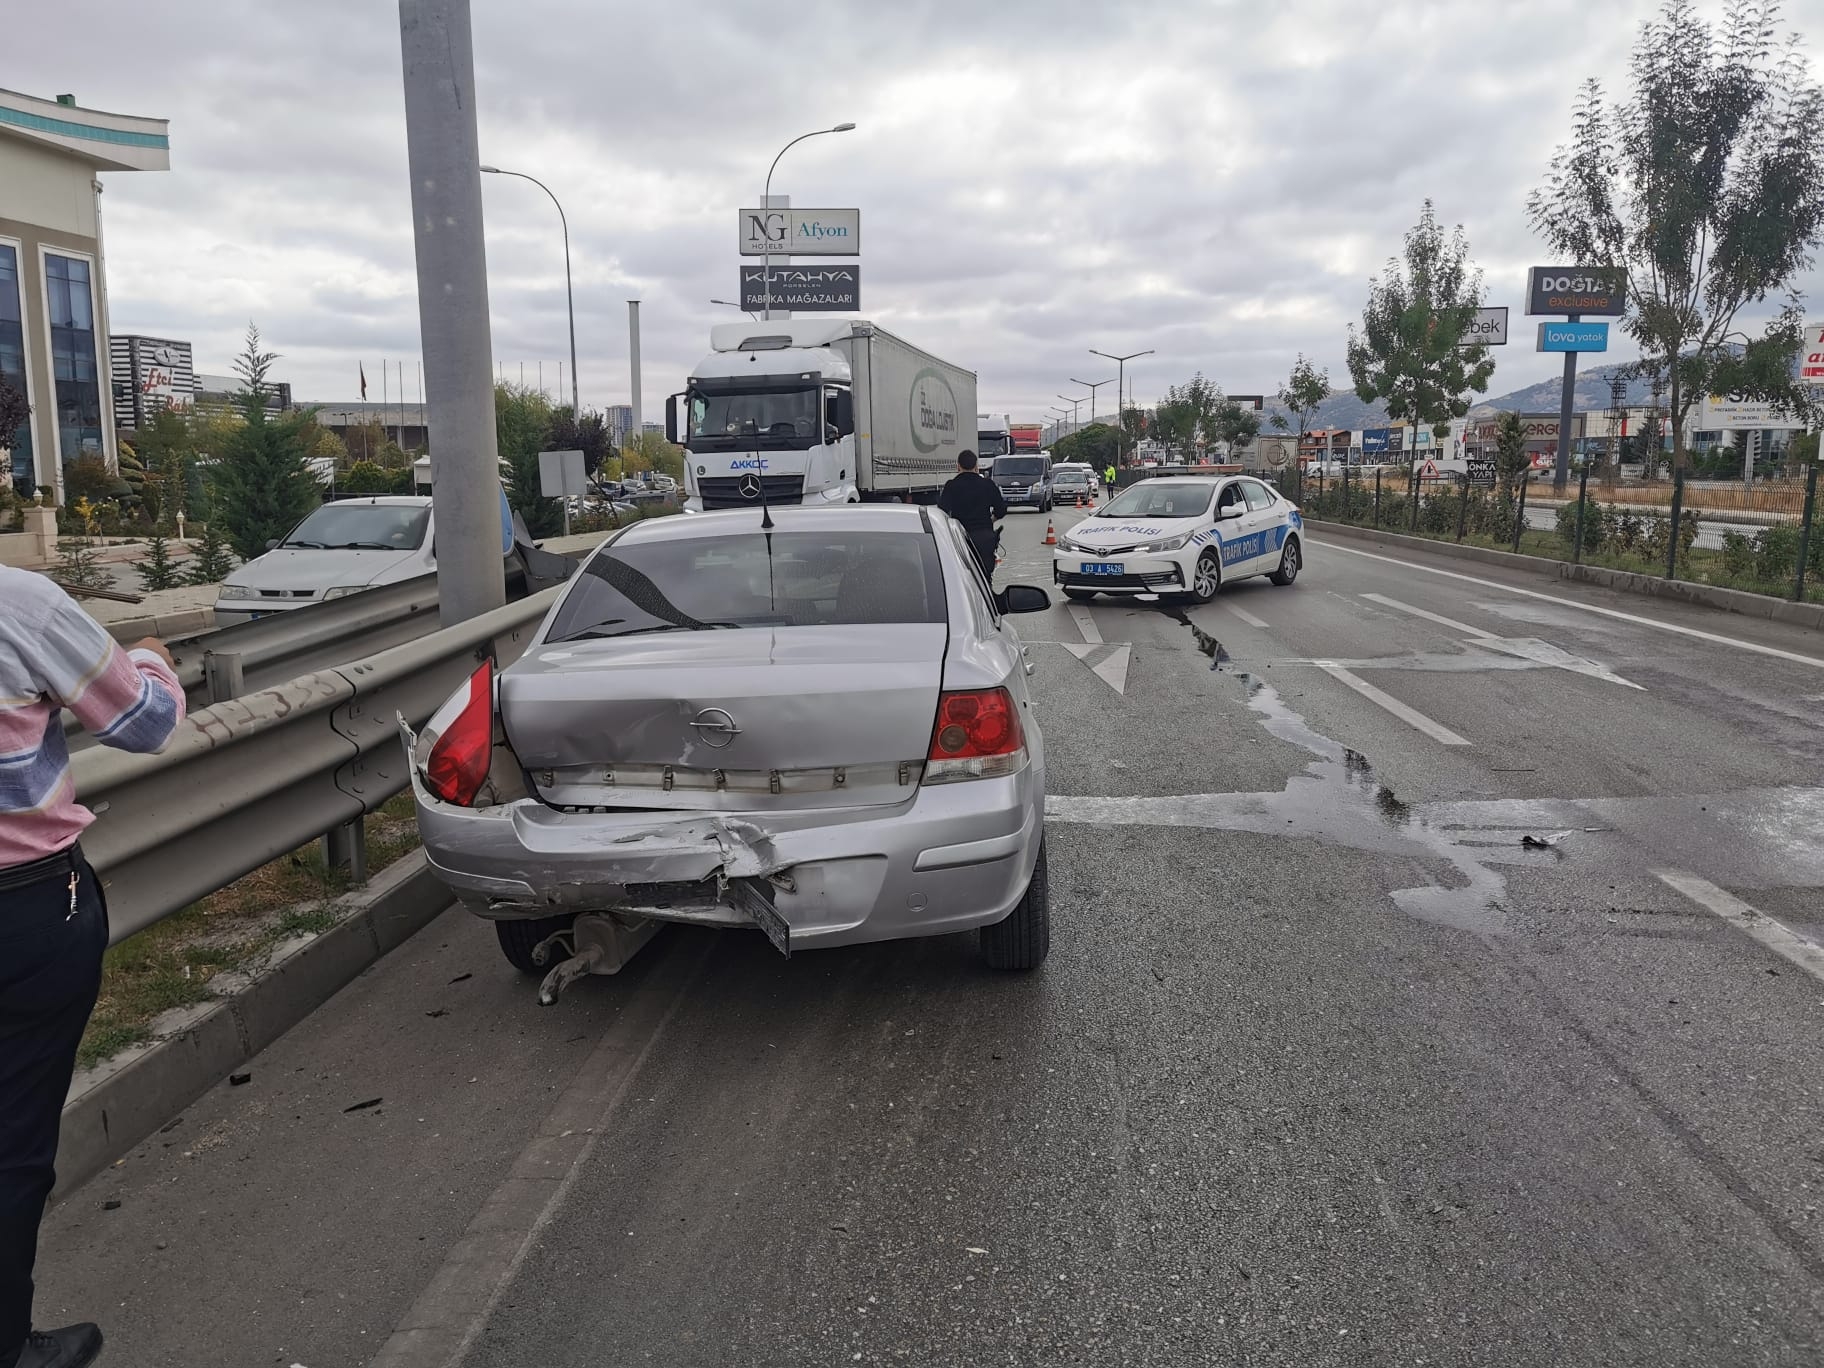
{"points": [[818, 411]]}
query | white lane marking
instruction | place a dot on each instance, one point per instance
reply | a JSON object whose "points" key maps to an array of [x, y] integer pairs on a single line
{"points": [[1776, 936], [1245, 616], [1720, 640], [1544, 653], [1080, 649], [1438, 618], [1113, 671], [1437, 731], [1086, 625]]}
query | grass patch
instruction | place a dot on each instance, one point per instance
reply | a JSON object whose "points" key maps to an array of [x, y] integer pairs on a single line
{"points": [[171, 963]]}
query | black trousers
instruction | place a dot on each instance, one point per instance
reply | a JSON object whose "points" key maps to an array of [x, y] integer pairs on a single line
{"points": [[982, 542], [50, 973]]}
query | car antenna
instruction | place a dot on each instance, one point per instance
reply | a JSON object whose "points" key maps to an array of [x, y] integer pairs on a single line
{"points": [[766, 514]]}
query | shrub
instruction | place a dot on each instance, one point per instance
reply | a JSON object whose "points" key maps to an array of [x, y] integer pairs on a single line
{"points": [[1776, 552], [1739, 559], [157, 570], [213, 561]]}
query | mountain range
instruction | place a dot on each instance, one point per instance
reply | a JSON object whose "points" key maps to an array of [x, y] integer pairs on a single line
{"points": [[1343, 409]]}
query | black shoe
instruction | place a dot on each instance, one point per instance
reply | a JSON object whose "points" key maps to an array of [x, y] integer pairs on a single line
{"points": [[74, 1346]]}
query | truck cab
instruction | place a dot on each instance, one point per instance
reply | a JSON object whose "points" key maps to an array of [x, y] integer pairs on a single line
{"points": [[773, 403]]}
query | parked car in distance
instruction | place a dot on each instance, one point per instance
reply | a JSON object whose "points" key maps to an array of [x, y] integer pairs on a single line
{"points": [[1071, 483], [817, 725], [341, 548]]}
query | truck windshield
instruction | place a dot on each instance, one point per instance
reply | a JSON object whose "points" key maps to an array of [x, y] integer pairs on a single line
{"points": [[1019, 467], [722, 420], [988, 445]]}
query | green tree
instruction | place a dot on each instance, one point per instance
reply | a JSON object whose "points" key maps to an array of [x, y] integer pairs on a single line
{"points": [[261, 485], [1407, 354], [1802, 448], [1133, 425], [588, 434], [1233, 425], [1305, 389], [522, 427], [14, 413], [212, 562], [1096, 444], [169, 456], [157, 571], [1186, 413], [1511, 460], [1704, 190], [650, 451]]}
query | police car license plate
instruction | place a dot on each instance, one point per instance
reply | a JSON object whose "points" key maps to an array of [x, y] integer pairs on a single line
{"points": [[1101, 568]]}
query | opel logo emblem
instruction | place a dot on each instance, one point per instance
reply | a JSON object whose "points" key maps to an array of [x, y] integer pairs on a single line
{"points": [[749, 489], [715, 728]]}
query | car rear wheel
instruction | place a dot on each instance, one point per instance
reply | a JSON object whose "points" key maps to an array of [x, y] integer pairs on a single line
{"points": [[1023, 939], [1290, 561], [1206, 579], [519, 938]]}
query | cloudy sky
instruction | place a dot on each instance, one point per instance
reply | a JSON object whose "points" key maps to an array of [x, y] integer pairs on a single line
{"points": [[1212, 180]]}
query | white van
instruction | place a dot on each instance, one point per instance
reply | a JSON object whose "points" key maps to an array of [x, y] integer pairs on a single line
{"points": [[340, 549]]}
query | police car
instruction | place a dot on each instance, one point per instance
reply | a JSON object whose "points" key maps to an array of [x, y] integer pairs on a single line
{"points": [[1182, 535]]}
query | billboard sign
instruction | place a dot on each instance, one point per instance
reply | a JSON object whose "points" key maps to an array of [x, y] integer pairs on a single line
{"points": [[1256, 402], [800, 232], [1811, 355], [1375, 441], [803, 289], [1487, 329], [1725, 412], [1573, 337], [1482, 472], [1576, 290]]}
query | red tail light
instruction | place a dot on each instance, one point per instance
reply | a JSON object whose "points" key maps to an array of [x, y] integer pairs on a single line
{"points": [[977, 736], [459, 757]]}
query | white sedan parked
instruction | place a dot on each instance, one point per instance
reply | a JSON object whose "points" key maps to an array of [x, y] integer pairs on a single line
{"points": [[1182, 536]]}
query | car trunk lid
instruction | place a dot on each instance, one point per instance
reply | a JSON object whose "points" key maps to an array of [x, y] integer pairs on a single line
{"points": [[733, 720]]}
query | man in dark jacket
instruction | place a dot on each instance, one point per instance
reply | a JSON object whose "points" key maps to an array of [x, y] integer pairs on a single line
{"points": [[972, 499]]}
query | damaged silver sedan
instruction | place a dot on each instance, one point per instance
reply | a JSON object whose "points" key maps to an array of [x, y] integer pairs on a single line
{"points": [[810, 722]]}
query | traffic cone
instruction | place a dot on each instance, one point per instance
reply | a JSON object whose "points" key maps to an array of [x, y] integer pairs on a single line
{"points": [[1051, 533]]}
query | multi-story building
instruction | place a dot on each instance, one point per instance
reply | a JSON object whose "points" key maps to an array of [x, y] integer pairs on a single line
{"points": [[150, 374], [53, 286], [620, 424]]}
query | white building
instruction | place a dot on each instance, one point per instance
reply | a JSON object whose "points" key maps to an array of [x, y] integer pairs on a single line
{"points": [[53, 287]]}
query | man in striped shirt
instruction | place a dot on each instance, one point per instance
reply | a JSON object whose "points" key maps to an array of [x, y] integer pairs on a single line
{"points": [[53, 916]]}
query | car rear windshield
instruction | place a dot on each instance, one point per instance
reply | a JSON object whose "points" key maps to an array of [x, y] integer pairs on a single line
{"points": [[1159, 499], [1024, 467], [362, 527], [753, 579]]}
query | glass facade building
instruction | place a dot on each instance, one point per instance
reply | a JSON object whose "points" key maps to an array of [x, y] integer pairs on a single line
{"points": [[12, 363]]}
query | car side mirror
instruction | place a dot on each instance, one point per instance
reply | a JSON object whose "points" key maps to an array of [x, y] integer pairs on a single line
{"points": [[271, 542], [1230, 511], [1021, 598]]}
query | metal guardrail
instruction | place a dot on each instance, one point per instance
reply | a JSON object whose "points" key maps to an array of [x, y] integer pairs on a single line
{"points": [[247, 780]]}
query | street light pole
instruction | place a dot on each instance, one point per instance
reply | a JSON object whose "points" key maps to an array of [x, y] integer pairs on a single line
{"points": [[1092, 393], [766, 202], [1120, 377], [1074, 424], [731, 304], [576, 412]]}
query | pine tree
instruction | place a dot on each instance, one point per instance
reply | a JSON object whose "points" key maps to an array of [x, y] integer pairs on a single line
{"points": [[262, 486], [213, 561], [158, 571]]}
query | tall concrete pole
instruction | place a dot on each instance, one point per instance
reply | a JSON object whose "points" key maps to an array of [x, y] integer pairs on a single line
{"points": [[445, 162], [633, 361]]}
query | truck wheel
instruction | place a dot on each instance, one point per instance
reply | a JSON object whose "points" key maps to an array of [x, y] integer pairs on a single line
{"points": [[518, 938], [1206, 578], [1290, 560], [1023, 938]]}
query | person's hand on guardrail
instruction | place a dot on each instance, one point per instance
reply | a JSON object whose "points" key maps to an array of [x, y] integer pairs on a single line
{"points": [[157, 647]]}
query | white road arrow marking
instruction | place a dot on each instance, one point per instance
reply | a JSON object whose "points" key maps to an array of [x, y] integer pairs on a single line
{"points": [[1776, 936], [1531, 648], [1412, 717], [1113, 671], [1086, 625]]}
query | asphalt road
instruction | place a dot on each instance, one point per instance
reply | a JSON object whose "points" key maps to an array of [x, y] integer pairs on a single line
{"points": [[1327, 1066]]}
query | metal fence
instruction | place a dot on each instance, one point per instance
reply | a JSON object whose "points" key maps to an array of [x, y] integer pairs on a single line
{"points": [[250, 779], [1763, 538]]}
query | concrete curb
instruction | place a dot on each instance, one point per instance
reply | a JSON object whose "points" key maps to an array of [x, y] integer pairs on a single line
{"points": [[114, 1106], [164, 626], [1810, 615]]}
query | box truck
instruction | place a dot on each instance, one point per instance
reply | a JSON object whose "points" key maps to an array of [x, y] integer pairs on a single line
{"points": [[818, 411]]}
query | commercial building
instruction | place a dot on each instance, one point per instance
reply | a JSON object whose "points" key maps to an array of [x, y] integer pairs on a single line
{"points": [[53, 283], [620, 424], [150, 374]]}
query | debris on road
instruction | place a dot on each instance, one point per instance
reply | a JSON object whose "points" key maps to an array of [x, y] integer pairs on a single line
{"points": [[1532, 842], [235, 1080], [460, 977], [363, 1106], [439, 1012]]}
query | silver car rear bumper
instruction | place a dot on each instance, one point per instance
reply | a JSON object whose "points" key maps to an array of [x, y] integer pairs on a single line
{"points": [[954, 857]]}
